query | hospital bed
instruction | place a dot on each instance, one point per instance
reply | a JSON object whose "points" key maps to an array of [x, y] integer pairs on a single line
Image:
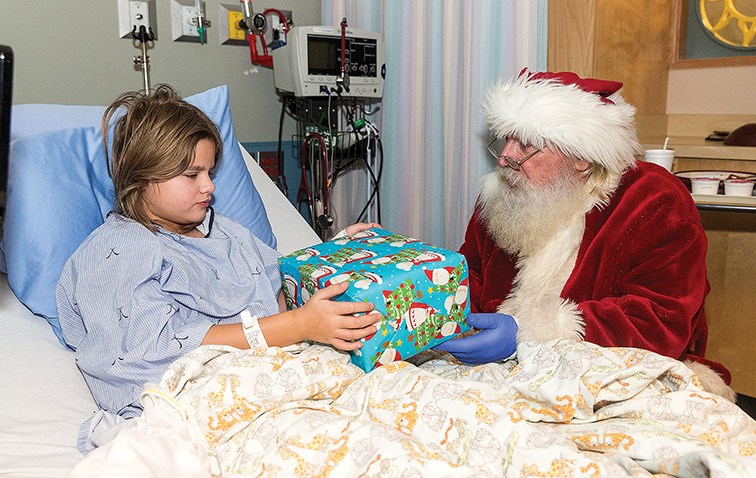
{"points": [[45, 398], [560, 408]]}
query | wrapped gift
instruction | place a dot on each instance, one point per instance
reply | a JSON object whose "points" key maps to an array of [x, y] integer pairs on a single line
{"points": [[421, 291]]}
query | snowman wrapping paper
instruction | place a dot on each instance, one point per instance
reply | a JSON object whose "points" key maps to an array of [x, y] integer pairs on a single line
{"points": [[421, 291]]}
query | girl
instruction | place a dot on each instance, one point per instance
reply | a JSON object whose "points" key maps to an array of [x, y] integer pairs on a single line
{"points": [[165, 274]]}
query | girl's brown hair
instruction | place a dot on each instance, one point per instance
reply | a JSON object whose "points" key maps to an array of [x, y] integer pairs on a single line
{"points": [[153, 141]]}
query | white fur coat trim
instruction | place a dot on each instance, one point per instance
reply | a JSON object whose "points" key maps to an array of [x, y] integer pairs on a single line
{"points": [[711, 381], [535, 300]]}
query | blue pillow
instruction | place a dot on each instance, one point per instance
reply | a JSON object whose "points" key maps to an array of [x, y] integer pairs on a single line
{"points": [[34, 119], [59, 191]]}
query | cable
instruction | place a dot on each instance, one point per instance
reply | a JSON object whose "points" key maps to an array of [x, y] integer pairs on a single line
{"points": [[376, 181], [331, 141], [321, 220], [352, 122], [303, 193], [377, 191], [281, 179], [372, 194], [330, 150], [369, 166]]}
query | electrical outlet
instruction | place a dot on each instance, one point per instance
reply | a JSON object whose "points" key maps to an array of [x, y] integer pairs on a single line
{"points": [[184, 21], [231, 32], [133, 14]]}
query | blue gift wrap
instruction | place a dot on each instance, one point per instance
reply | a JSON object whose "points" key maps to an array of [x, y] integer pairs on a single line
{"points": [[420, 290]]}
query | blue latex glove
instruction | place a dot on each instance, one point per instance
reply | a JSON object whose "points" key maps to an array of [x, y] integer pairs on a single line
{"points": [[496, 339]]}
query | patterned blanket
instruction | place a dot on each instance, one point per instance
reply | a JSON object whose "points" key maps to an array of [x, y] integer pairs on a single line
{"points": [[559, 409]]}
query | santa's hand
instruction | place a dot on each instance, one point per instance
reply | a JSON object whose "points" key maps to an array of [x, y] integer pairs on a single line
{"points": [[495, 339]]}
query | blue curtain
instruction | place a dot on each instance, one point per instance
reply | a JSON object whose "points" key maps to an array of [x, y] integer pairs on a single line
{"points": [[441, 57]]}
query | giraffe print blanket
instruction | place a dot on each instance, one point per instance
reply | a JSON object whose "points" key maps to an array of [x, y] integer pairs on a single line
{"points": [[563, 408]]}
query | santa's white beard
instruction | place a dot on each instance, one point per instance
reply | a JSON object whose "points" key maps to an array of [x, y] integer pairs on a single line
{"points": [[522, 216]]}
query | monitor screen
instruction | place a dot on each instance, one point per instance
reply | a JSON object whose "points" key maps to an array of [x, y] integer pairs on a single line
{"points": [[6, 82], [324, 56]]}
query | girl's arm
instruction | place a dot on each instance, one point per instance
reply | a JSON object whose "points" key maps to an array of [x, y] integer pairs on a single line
{"points": [[320, 320]]}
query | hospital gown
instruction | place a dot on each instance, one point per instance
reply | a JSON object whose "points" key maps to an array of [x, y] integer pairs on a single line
{"points": [[131, 301]]}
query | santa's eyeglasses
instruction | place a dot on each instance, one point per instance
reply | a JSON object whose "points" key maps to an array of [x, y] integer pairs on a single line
{"points": [[496, 148]]}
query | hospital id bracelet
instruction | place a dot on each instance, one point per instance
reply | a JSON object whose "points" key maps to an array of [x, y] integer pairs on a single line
{"points": [[252, 331]]}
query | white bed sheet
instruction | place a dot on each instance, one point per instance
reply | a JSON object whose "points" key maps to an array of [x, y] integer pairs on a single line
{"points": [[46, 399]]}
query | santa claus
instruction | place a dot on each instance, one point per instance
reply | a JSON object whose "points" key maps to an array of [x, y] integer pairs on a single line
{"points": [[572, 237]]}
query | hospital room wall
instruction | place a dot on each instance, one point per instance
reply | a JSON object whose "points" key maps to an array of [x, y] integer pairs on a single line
{"points": [[70, 53]]}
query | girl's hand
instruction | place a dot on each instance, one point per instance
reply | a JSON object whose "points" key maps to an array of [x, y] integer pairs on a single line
{"points": [[360, 226], [329, 322]]}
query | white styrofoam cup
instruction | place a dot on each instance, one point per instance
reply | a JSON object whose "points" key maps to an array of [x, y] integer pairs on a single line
{"points": [[662, 157]]}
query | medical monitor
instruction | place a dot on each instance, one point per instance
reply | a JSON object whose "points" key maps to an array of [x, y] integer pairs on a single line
{"points": [[310, 62], [6, 82]]}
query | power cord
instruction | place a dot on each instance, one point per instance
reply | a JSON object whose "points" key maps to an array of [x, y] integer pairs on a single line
{"points": [[375, 194], [281, 179]]}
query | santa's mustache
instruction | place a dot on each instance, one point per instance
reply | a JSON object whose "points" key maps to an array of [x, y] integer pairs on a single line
{"points": [[521, 215], [511, 177]]}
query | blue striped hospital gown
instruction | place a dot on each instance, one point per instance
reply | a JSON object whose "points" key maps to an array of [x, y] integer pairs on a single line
{"points": [[130, 301]]}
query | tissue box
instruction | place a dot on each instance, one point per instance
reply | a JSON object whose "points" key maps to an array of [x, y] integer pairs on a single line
{"points": [[420, 290]]}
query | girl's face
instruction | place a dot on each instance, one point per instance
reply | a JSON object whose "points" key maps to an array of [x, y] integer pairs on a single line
{"points": [[179, 204]]}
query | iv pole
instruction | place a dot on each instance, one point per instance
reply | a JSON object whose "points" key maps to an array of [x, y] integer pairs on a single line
{"points": [[143, 61]]}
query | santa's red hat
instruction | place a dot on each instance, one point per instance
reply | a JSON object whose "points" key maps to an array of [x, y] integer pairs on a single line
{"points": [[583, 117]]}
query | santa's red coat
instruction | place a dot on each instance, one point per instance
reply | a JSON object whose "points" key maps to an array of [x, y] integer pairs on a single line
{"points": [[640, 275]]}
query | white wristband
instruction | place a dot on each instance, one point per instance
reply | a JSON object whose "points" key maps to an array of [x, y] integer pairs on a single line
{"points": [[252, 332]]}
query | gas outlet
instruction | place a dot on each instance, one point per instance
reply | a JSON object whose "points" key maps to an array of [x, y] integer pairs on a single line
{"points": [[133, 14], [184, 21], [230, 19]]}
